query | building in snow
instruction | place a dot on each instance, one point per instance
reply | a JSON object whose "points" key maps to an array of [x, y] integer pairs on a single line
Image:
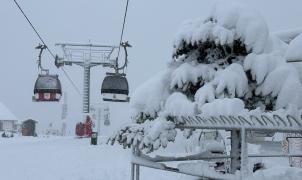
{"points": [[28, 128], [8, 121]]}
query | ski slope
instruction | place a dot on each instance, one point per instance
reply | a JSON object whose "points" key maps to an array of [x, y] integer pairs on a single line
{"points": [[67, 158]]}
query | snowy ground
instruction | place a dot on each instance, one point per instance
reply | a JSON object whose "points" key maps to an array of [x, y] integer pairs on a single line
{"points": [[58, 158], [68, 158]]}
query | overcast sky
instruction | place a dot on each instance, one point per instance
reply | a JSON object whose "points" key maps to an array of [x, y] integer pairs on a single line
{"points": [[150, 29]]}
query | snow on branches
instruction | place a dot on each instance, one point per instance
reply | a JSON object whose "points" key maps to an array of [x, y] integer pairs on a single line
{"points": [[191, 72], [226, 23], [148, 99], [226, 63], [232, 80], [148, 136]]}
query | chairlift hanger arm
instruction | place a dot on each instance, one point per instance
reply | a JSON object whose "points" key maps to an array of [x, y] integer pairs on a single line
{"points": [[125, 45], [41, 47]]}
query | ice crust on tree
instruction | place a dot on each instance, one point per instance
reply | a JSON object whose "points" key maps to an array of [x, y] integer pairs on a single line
{"points": [[225, 64]]}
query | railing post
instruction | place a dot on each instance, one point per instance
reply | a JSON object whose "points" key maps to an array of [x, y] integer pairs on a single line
{"points": [[137, 172], [135, 169], [244, 155], [132, 165], [132, 171], [235, 150]]}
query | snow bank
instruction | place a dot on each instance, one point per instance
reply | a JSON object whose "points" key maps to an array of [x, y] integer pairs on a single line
{"points": [[203, 169], [278, 172]]}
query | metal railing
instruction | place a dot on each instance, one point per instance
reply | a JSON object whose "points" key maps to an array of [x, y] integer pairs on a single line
{"points": [[239, 126]]}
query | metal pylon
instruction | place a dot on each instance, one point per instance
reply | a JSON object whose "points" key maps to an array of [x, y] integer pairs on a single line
{"points": [[86, 89], [86, 56]]}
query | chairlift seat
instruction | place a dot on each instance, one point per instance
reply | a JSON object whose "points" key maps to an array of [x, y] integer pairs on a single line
{"points": [[115, 88], [47, 88]]}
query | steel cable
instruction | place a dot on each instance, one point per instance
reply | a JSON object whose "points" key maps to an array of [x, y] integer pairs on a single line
{"points": [[122, 33], [43, 42]]}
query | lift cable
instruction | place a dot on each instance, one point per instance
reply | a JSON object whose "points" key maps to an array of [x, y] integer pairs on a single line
{"points": [[70, 80], [43, 42], [122, 33]]}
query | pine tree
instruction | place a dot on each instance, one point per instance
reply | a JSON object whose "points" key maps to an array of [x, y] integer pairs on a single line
{"points": [[230, 55]]}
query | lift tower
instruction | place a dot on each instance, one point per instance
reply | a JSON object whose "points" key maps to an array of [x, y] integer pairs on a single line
{"points": [[86, 56]]}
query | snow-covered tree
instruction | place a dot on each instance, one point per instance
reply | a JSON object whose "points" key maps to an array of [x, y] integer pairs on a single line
{"points": [[226, 63]]}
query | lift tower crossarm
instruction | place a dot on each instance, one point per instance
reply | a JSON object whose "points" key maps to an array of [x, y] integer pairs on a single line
{"points": [[87, 56], [83, 44]]}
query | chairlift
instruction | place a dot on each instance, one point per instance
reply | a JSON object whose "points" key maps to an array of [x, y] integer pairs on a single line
{"points": [[47, 87], [115, 88]]}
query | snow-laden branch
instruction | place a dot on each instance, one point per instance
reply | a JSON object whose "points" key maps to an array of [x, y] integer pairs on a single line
{"points": [[288, 35], [148, 136]]}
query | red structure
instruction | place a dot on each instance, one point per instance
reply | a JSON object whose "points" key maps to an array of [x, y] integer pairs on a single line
{"points": [[84, 129], [80, 129], [88, 126]]}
